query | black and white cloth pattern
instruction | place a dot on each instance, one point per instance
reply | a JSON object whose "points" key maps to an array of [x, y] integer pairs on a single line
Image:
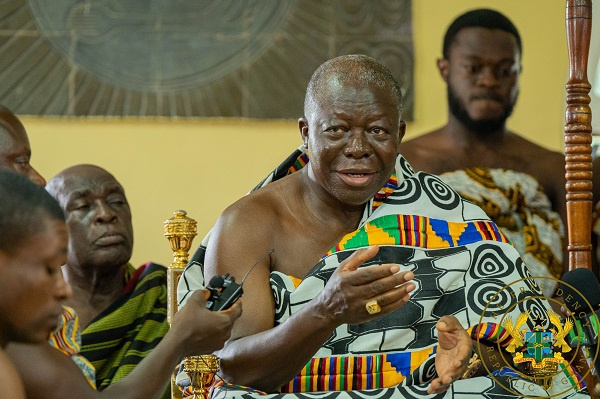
{"points": [[477, 281]]}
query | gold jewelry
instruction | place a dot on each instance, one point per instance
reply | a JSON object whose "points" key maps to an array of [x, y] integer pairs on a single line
{"points": [[472, 367], [373, 307]]}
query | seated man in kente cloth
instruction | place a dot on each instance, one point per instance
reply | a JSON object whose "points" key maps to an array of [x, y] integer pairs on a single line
{"points": [[128, 340], [122, 310], [361, 274], [519, 184]]}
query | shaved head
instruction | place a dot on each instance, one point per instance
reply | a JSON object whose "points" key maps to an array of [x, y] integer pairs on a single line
{"points": [[60, 185], [98, 218], [358, 69]]}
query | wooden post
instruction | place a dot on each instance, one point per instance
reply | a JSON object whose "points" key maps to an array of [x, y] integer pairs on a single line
{"points": [[578, 143], [578, 135]]}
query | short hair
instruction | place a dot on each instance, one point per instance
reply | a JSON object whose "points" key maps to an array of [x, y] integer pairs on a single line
{"points": [[355, 67], [24, 205], [480, 18]]}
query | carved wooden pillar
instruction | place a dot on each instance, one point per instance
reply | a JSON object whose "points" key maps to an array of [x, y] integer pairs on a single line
{"points": [[578, 140], [578, 135]]}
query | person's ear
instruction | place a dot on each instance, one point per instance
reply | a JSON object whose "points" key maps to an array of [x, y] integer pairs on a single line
{"points": [[401, 133], [303, 126], [443, 65]]}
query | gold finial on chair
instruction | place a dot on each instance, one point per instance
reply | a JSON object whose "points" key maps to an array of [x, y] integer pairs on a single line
{"points": [[201, 371], [180, 230]]}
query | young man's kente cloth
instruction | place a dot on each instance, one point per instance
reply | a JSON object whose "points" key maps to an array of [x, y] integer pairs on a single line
{"points": [[124, 333], [67, 339], [463, 265], [516, 202]]}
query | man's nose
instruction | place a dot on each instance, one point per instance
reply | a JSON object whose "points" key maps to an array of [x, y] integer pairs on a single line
{"points": [[358, 145], [104, 212], [64, 290], [488, 76], [35, 177]]}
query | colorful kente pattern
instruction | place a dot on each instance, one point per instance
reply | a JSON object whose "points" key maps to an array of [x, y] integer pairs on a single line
{"points": [[345, 373], [419, 231], [300, 162], [386, 191], [459, 259], [495, 334], [571, 375], [67, 339], [490, 332]]}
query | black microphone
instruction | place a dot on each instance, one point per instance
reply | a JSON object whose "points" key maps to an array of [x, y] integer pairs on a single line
{"points": [[216, 282], [581, 297]]}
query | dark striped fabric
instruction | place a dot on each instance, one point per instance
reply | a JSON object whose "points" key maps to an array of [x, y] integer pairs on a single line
{"points": [[123, 334]]}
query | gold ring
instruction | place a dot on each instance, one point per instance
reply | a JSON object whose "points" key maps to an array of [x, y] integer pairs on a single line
{"points": [[373, 307]]}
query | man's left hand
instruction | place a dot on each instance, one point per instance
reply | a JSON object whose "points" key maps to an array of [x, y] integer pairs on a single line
{"points": [[454, 351]]}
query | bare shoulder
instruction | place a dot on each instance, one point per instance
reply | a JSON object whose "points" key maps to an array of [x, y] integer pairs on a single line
{"points": [[519, 143], [55, 374], [255, 210], [249, 228], [426, 151], [11, 385], [426, 142], [547, 166], [539, 160]]}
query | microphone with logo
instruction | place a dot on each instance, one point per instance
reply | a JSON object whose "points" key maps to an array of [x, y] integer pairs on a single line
{"points": [[581, 297]]}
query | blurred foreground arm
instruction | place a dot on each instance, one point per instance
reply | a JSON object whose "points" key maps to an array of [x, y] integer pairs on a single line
{"points": [[195, 331]]}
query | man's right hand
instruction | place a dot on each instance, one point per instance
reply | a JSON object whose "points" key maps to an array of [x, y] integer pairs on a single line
{"points": [[349, 289], [203, 331]]}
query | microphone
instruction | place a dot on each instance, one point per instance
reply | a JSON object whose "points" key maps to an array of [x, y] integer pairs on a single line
{"points": [[224, 290], [217, 282], [582, 298]]}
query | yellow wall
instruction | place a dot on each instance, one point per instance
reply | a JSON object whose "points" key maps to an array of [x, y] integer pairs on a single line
{"points": [[204, 165]]}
